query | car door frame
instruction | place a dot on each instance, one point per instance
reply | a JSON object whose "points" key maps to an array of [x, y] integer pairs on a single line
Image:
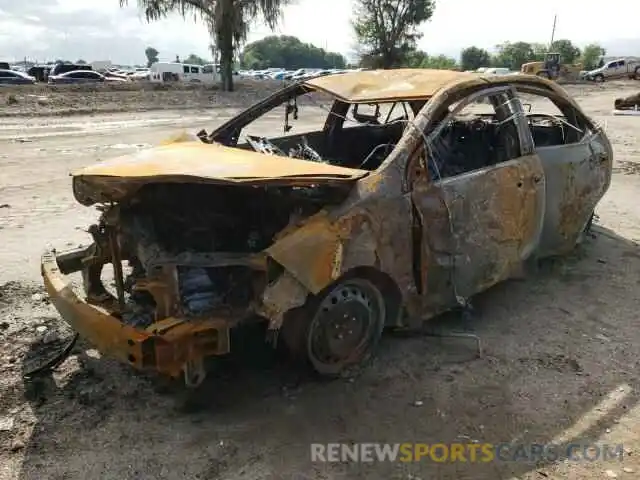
{"points": [[455, 263], [80, 78], [577, 176], [93, 77]]}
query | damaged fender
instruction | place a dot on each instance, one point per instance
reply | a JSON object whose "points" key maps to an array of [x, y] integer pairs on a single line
{"points": [[316, 255], [285, 294]]}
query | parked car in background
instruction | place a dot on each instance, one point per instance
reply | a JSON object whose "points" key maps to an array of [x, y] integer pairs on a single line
{"points": [[39, 72], [110, 79], [321, 73], [279, 75], [311, 73], [615, 69], [12, 77], [296, 74], [77, 76], [140, 74], [496, 71], [115, 76], [60, 68]]}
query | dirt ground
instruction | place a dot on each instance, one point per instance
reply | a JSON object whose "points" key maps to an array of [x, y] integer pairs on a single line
{"points": [[559, 365], [44, 100]]}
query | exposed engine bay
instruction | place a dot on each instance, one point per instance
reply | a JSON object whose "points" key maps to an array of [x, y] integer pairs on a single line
{"points": [[189, 247]]}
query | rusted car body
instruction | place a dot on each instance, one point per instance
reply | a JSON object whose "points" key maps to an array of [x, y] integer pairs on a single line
{"points": [[632, 102], [382, 224]]}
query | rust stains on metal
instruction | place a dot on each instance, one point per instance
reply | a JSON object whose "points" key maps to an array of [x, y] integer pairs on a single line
{"points": [[489, 236], [312, 253], [197, 162], [632, 102], [575, 197], [386, 85], [164, 347], [217, 235], [285, 294], [413, 84]]}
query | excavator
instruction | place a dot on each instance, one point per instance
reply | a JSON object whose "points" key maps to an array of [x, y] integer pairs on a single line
{"points": [[552, 68]]}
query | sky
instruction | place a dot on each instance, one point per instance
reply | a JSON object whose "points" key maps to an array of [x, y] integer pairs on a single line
{"points": [[101, 30]]}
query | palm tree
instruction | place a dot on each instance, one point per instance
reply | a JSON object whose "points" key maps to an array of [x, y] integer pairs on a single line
{"points": [[227, 20]]}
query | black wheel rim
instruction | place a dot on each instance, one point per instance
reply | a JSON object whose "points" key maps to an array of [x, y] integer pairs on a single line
{"points": [[345, 326]]}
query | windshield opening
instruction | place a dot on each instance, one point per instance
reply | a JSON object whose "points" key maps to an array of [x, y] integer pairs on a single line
{"points": [[314, 126]]}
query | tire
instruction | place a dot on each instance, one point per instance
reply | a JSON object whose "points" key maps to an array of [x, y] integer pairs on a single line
{"points": [[599, 78], [339, 329], [543, 75], [637, 73]]}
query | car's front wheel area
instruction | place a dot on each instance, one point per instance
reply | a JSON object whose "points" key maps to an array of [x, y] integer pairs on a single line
{"points": [[338, 329]]}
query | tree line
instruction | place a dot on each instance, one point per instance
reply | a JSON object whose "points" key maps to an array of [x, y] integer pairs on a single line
{"points": [[513, 55], [274, 51], [288, 52], [387, 33]]}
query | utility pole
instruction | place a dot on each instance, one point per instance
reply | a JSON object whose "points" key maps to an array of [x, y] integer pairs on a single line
{"points": [[553, 31]]}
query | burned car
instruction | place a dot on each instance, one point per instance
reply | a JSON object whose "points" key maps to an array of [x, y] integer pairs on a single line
{"points": [[371, 220], [632, 102]]}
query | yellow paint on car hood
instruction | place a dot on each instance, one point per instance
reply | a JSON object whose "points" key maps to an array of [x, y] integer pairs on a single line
{"points": [[198, 162]]}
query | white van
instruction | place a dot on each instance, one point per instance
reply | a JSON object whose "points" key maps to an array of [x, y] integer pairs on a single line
{"points": [[183, 72]]}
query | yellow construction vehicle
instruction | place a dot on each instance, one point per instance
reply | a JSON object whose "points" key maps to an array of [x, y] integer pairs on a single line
{"points": [[551, 68]]}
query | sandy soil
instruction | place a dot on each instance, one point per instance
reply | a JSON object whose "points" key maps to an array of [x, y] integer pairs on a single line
{"points": [[560, 349]]}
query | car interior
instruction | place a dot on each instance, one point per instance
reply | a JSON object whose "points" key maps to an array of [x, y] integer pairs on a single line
{"points": [[363, 135], [355, 136]]}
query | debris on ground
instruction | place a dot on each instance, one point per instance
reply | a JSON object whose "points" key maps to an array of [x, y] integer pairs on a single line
{"points": [[632, 102]]}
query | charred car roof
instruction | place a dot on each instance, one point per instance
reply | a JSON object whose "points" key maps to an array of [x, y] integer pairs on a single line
{"points": [[372, 86], [386, 85]]}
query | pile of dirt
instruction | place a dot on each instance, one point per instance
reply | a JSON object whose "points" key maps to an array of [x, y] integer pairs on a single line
{"points": [[45, 100]]}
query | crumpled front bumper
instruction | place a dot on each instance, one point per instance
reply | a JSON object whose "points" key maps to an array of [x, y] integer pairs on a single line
{"points": [[166, 346]]}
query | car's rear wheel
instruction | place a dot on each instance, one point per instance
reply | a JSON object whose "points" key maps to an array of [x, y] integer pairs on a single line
{"points": [[340, 328]]}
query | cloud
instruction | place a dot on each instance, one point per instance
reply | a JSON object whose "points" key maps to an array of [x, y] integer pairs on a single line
{"points": [[98, 30], [69, 29]]}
